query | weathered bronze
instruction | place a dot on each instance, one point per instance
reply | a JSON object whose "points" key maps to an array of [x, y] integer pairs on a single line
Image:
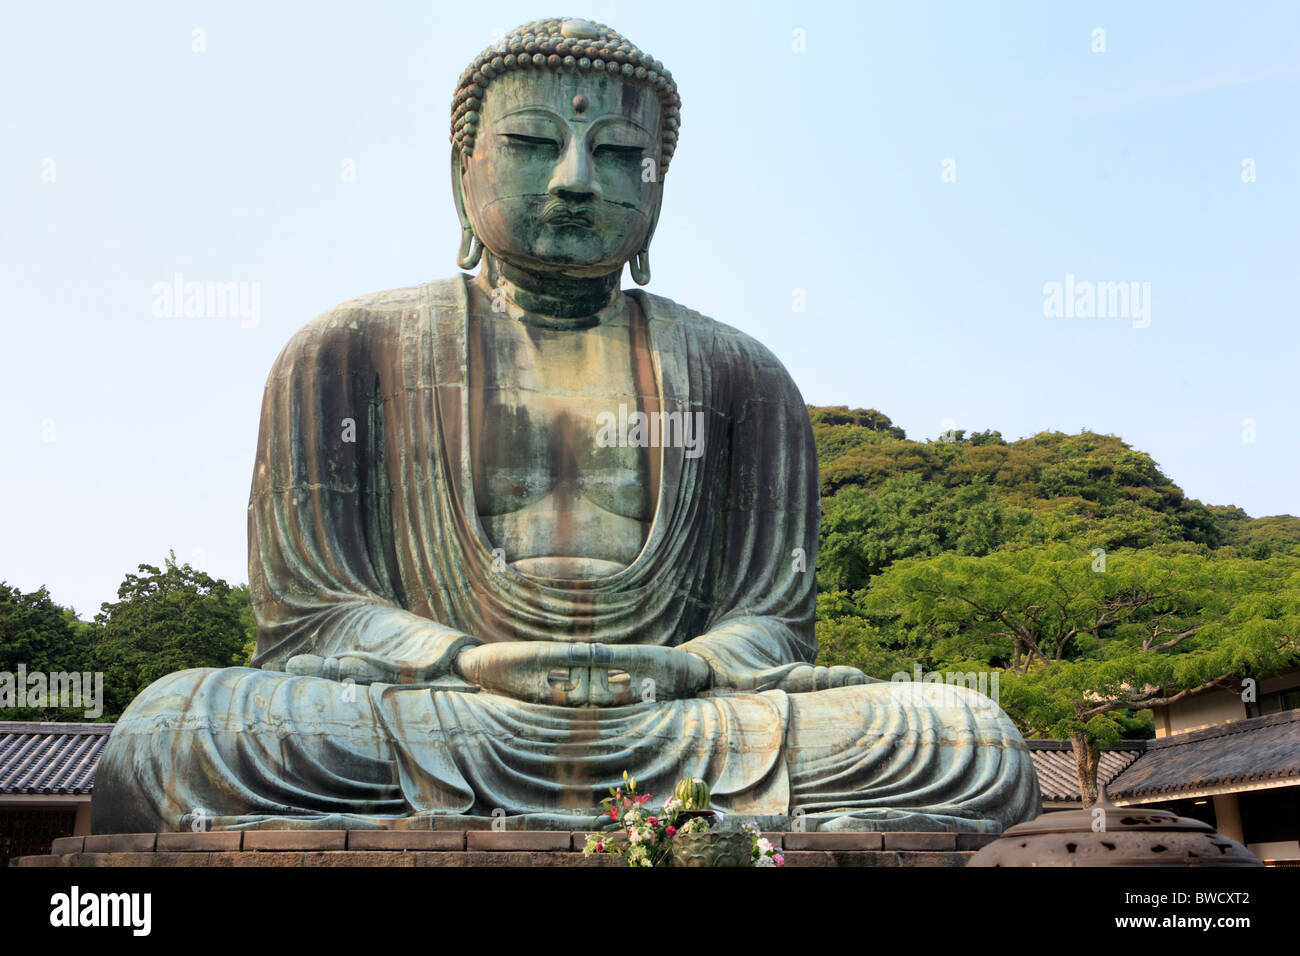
{"points": [[1107, 835], [512, 534]]}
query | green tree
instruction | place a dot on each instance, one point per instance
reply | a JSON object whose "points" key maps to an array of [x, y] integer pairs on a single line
{"points": [[863, 532], [858, 417], [846, 636], [41, 636], [1257, 537], [166, 620], [1088, 640], [239, 599], [1085, 483]]}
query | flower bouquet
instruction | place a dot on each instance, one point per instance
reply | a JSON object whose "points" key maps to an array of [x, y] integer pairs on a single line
{"points": [[679, 834], [762, 852]]}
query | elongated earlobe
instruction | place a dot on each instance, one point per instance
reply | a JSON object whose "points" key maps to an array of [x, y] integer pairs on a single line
{"points": [[471, 250], [639, 266]]}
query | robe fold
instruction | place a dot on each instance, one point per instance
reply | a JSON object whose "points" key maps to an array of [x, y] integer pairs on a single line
{"points": [[364, 539], [376, 546]]}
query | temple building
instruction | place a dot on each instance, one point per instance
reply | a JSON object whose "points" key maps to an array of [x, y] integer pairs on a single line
{"points": [[1231, 762], [46, 774]]}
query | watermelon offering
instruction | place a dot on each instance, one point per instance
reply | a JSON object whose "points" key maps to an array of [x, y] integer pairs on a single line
{"points": [[692, 793]]}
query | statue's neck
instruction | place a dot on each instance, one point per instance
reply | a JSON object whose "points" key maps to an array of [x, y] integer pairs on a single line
{"points": [[550, 299]]}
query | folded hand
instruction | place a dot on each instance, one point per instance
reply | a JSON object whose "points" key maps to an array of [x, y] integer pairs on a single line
{"points": [[584, 675]]}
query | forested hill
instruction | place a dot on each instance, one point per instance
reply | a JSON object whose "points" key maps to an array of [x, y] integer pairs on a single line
{"points": [[885, 497]]}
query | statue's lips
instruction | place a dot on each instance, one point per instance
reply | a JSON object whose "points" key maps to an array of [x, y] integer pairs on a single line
{"points": [[566, 220], [557, 214]]}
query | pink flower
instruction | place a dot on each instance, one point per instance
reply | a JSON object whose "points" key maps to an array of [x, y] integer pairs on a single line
{"points": [[778, 859], [643, 798], [653, 821], [613, 813], [600, 848], [670, 830]]}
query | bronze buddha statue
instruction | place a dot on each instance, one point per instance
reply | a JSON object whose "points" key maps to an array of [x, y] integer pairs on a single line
{"points": [[478, 603]]}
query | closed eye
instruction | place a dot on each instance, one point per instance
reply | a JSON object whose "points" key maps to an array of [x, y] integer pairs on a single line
{"points": [[519, 139], [609, 149]]}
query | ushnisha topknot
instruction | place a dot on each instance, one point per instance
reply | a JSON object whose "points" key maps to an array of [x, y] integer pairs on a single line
{"points": [[563, 43]]}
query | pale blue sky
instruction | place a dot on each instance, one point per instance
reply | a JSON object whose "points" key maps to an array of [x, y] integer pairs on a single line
{"points": [[818, 171]]}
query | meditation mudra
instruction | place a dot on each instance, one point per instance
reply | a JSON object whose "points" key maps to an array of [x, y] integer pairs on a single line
{"points": [[513, 533]]}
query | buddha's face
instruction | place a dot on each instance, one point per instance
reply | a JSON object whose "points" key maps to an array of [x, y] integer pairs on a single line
{"points": [[558, 180]]}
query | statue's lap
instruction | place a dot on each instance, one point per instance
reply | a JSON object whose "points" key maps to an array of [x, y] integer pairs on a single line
{"points": [[237, 743]]}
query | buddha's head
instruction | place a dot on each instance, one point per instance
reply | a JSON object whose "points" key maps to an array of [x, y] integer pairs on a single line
{"points": [[561, 135]]}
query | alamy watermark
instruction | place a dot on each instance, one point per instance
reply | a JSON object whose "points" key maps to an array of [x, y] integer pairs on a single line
{"points": [[180, 299], [651, 430], [53, 689], [1085, 299], [129, 910], [940, 687]]}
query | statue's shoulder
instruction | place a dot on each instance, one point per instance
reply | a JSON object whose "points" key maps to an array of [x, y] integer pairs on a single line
{"points": [[725, 344], [370, 321], [366, 312]]}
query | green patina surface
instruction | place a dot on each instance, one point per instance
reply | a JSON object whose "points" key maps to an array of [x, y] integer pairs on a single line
{"points": [[570, 531]]}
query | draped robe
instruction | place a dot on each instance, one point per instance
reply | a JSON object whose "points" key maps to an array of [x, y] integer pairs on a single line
{"points": [[374, 546]]}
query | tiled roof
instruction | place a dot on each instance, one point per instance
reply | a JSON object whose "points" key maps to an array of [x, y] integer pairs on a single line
{"points": [[1239, 752], [1054, 762], [49, 758]]}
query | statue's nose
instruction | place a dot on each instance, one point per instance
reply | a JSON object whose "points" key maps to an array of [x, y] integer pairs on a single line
{"points": [[574, 180]]}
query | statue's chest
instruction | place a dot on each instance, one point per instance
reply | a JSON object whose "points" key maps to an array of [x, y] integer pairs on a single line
{"points": [[538, 400]]}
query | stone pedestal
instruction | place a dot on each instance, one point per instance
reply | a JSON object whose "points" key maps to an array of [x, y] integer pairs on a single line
{"points": [[401, 848]]}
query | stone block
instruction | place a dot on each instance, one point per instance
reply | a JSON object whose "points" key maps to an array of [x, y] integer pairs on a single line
{"points": [[268, 858], [950, 858], [74, 844], [282, 840], [518, 840], [484, 859], [808, 858], [187, 858], [833, 841], [115, 859], [120, 843], [859, 858], [552, 858], [406, 840], [200, 841], [920, 841], [358, 858], [975, 841]]}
